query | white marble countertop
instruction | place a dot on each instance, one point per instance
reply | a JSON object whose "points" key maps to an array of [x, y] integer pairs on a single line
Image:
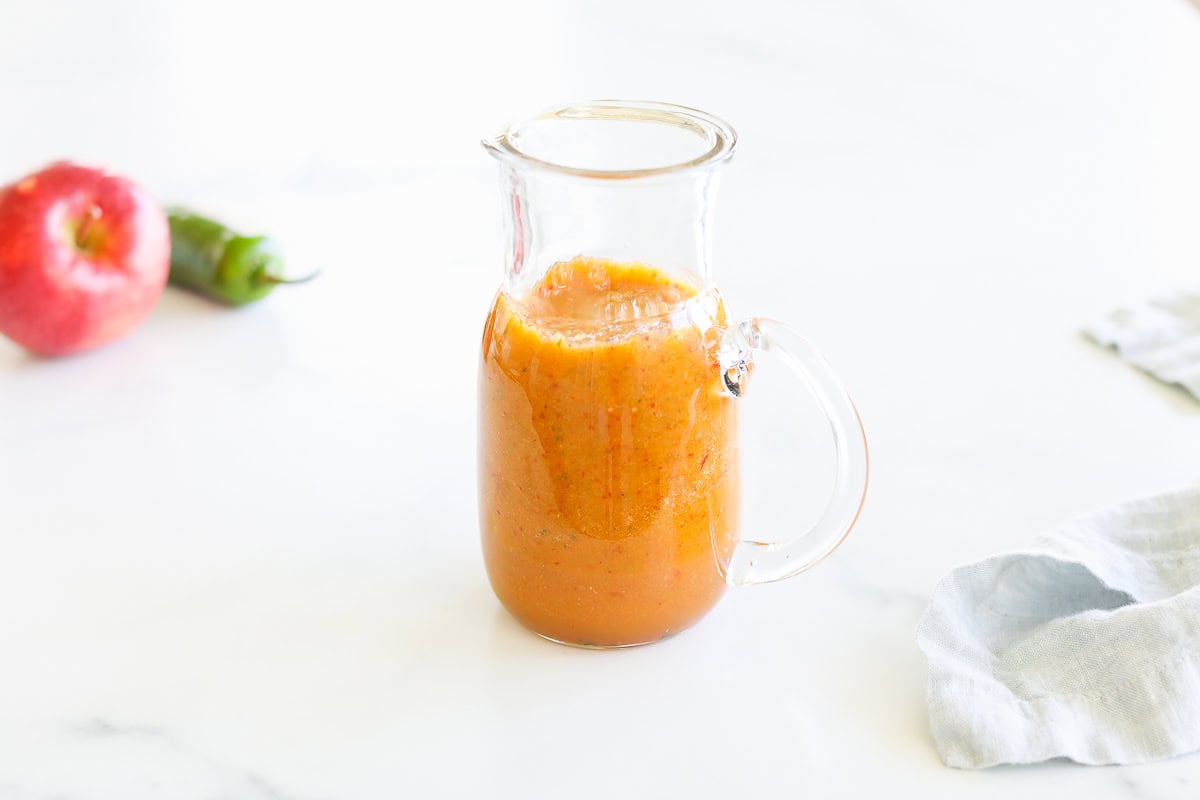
{"points": [[240, 555]]}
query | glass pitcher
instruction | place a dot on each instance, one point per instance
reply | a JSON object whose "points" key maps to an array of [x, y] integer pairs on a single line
{"points": [[609, 384]]}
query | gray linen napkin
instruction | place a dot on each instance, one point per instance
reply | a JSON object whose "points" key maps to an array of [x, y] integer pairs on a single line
{"points": [[1085, 646], [1161, 337]]}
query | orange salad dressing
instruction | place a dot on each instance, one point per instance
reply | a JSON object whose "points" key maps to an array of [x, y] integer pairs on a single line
{"points": [[608, 460]]}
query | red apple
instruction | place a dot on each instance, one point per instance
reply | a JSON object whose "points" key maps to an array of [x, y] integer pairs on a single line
{"points": [[84, 256]]}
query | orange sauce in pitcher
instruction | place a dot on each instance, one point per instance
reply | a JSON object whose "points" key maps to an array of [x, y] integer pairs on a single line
{"points": [[608, 461]]}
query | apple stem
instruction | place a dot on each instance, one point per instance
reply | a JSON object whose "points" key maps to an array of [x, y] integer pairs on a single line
{"points": [[85, 227]]}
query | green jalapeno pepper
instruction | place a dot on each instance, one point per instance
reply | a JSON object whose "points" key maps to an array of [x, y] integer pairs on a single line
{"points": [[209, 258]]}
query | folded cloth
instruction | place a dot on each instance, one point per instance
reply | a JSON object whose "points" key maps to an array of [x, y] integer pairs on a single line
{"points": [[1085, 646], [1161, 337]]}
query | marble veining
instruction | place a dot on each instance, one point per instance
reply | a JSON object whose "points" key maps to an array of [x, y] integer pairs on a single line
{"points": [[102, 758]]}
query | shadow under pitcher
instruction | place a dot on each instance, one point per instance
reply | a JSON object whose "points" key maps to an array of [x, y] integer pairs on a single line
{"points": [[610, 380]]}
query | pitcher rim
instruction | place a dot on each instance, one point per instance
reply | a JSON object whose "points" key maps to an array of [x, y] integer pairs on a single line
{"points": [[718, 134]]}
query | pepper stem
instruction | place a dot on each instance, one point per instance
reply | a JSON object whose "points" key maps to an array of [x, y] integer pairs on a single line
{"points": [[275, 280]]}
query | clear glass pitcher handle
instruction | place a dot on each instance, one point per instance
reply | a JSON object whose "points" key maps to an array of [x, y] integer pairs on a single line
{"points": [[743, 345]]}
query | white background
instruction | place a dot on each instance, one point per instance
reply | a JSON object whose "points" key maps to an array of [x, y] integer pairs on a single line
{"points": [[238, 549]]}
